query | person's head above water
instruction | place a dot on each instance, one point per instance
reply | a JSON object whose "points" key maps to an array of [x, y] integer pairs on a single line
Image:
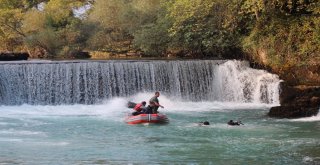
{"points": [[231, 122], [143, 103], [206, 123]]}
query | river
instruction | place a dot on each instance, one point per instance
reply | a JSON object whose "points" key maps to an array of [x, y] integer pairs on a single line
{"points": [[61, 113]]}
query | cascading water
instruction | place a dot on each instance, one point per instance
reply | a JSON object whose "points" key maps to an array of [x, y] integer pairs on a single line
{"points": [[87, 82], [76, 116], [237, 82]]}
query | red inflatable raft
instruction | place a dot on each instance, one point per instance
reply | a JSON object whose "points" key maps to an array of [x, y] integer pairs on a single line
{"points": [[147, 118]]}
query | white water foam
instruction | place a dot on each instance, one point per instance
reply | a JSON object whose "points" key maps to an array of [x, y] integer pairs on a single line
{"points": [[176, 104], [116, 107], [10, 140], [21, 132], [62, 143], [113, 107], [308, 119]]}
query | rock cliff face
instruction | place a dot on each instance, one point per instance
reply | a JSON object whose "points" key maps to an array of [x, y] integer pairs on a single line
{"points": [[297, 101]]}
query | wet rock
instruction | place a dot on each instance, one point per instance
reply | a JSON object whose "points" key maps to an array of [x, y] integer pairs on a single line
{"points": [[12, 56], [297, 101], [292, 111], [81, 55]]}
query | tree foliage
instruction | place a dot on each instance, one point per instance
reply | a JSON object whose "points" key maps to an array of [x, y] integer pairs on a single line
{"points": [[116, 22], [11, 15], [286, 30], [55, 29], [206, 27], [52, 28], [153, 37]]}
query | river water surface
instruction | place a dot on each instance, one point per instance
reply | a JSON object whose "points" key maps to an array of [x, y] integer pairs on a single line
{"points": [[97, 134]]}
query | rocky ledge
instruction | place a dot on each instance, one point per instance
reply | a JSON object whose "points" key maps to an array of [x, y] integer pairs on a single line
{"points": [[297, 102], [12, 56]]}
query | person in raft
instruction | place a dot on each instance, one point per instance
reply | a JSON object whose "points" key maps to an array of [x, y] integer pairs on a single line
{"points": [[154, 103], [139, 108]]}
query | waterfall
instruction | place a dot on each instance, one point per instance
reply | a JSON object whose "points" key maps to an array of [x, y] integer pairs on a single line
{"points": [[88, 82]]}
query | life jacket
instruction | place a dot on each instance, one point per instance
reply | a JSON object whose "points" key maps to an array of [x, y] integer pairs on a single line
{"points": [[138, 107]]}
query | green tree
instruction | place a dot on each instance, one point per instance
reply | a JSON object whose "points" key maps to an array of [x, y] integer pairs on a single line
{"points": [[11, 17], [153, 38], [56, 30], [116, 22], [106, 18], [287, 32], [204, 27]]}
